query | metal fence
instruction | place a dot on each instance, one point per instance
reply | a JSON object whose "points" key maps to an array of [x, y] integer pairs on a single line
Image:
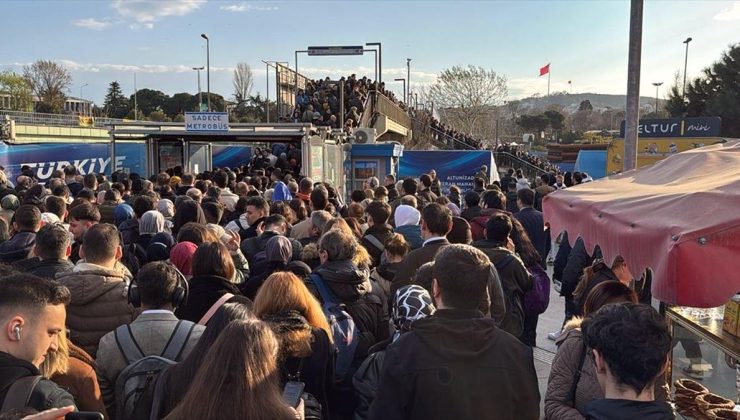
{"points": [[59, 120]]}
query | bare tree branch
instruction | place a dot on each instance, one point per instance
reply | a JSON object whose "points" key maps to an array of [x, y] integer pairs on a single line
{"points": [[242, 81]]}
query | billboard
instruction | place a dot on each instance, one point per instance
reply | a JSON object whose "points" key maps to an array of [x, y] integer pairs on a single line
{"points": [[44, 159], [677, 127], [230, 156], [452, 167], [651, 150]]}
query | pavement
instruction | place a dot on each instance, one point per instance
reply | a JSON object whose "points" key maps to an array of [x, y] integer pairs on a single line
{"points": [[548, 322]]}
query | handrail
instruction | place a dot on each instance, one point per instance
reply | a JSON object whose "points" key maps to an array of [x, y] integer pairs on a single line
{"points": [[367, 111], [510, 159], [64, 120], [387, 107]]}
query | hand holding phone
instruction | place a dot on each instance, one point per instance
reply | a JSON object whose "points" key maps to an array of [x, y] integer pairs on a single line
{"points": [[292, 393]]}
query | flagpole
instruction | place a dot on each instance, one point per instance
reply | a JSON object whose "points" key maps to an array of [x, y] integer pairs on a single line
{"points": [[548, 82]]}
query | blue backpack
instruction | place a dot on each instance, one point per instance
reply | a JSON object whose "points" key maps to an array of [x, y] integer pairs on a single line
{"points": [[346, 336]]}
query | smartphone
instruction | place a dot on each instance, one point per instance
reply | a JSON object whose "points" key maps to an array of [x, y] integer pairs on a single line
{"points": [[84, 415], [292, 393]]}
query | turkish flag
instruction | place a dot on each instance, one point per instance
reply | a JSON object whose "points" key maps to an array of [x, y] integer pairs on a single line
{"points": [[545, 70]]}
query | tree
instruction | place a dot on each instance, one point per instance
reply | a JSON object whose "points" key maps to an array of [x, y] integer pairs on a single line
{"points": [[585, 106], [48, 81], [180, 103], [149, 100], [534, 123], [468, 94], [115, 104], [242, 81], [18, 89]]}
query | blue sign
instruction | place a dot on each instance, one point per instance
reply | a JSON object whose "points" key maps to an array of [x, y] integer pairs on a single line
{"points": [[44, 159], [206, 121], [231, 156], [678, 127], [452, 167]]}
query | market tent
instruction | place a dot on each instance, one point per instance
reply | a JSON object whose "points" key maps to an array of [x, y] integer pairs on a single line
{"points": [[593, 162], [680, 217]]}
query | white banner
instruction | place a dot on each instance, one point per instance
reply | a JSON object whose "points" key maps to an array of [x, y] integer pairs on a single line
{"points": [[206, 121]]}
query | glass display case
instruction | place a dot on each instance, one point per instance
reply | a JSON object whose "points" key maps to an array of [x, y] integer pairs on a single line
{"points": [[704, 353]]}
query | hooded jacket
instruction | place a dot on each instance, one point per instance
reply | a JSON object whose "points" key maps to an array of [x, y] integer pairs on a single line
{"points": [[18, 247], [99, 303], [129, 231], [456, 364], [412, 235], [382, 233], [352, 287], [44, 396], [558, 404]]}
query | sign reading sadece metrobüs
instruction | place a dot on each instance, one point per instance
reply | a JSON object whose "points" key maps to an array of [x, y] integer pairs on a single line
{"points": [[206, 121]]}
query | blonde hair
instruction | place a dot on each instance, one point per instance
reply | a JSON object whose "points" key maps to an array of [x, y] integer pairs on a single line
{"points": [[57, 361]]}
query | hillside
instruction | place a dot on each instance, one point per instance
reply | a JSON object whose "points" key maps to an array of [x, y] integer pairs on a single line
{"points": [[570, 102]]}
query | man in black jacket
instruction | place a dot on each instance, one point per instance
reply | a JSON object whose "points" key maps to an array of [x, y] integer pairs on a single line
{"points": [[379, 231], [630, 344], [456, 364], [390, 185], [274, 225], [27, 221], [32, 315], [51, 252]]}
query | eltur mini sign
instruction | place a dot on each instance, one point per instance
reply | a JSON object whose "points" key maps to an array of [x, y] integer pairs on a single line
{"points": [[206, 121]]}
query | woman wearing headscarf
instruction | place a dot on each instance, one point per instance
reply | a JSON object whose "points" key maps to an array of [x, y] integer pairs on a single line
{"points": [[121, 213], [151, 223], [278, 256], [407, 224], [159, 247], [181, 256], [188, 211], [10, 204], [167, 208], [410, 303]]}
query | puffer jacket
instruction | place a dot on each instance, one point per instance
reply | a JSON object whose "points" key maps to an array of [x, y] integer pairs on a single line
{"points": [[18, 247], [352, 287], [99, 303], [412, 235], [558, 403]]}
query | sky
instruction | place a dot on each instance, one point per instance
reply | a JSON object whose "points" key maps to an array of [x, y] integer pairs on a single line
{"points": [[584, 41]]}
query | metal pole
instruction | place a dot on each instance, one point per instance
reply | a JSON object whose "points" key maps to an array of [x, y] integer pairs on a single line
{"points": [[267, 95], [404, 87], [136, 103], [685, 64], [200, 92], [81, 99], [341, 107], [379, 62], [208, 68], [633, 85], [408, 80], [296, 79], [657, 86]]}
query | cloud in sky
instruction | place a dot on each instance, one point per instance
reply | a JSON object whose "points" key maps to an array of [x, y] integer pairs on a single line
{"points": [[134, 68], [246, 7], [92, 23], [731, 13], [145, 13]]}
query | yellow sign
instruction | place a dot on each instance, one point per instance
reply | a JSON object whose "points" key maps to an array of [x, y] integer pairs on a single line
{"points": [[651, 150], [86, 121]]}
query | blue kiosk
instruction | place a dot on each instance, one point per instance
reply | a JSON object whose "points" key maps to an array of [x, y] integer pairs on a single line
{"points": [[371, 160]]}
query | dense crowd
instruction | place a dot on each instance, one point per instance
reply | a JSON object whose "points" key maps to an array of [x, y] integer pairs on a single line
{"points": [[530, 158], [455, 139], [253, 293]]}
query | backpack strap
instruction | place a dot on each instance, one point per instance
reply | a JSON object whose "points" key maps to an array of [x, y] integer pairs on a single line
{"points": [[127, 344], [375, 242], [19, 393], [503, 262], [577, 377], [178, 340], [212, 310], [326, 295]]}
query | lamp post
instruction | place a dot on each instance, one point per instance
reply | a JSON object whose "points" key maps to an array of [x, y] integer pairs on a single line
{"points": [[408, 79], [380, 59], [657, 86], [83, 103], [404, 86], [208, 68], [277, 84], [375, 55], [685, 64], [200, 94]]}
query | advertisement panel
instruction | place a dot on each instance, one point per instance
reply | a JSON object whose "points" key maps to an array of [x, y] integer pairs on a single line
{"points": [[651, 150], [44, 159], [230, 156], [678, 127], [452, 167]]}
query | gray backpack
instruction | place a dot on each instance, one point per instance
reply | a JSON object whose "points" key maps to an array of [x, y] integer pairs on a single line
{"points": [[142, 371]]}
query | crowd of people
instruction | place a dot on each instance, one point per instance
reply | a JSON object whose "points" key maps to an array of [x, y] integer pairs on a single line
{"points": [[254, 293], [530, 158], [444, 133]]}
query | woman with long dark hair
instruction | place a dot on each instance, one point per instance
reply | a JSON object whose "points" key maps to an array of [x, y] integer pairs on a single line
{"points": [[188, 211], [238, 378], [598, 273], [306, 351]]}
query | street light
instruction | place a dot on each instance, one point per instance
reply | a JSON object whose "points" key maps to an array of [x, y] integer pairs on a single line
{"points": [[408, 79], [657, 86], [380, 59], [404, 85], [200, 94], [685, 63], [208, 68], [83, 103]]}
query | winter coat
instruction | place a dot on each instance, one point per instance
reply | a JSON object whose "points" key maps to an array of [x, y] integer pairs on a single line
{"points": [[204, 291], [81, 381], [365, 381], [99, 303], [18, 247], [382, 233], [392, 192], [515, 282], [613, 409], [412, 235], [522, 184], [252, 246], [578, 259], [352, 287], [534, 224], [45, 268], [414, 260], [558, 403], [44, 396], [106, 209], [129, 231], [456, 364], [471, 213]]}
